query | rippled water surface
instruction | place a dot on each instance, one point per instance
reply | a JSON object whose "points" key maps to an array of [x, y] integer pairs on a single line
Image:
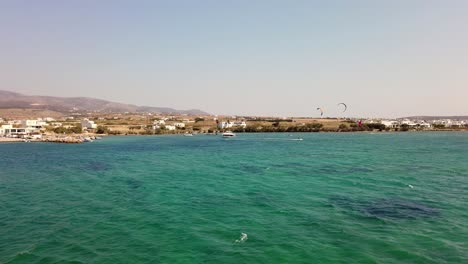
{"points": [[330, 198]]}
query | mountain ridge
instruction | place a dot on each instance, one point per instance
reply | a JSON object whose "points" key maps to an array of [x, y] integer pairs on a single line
{"points": [[16, 100]]}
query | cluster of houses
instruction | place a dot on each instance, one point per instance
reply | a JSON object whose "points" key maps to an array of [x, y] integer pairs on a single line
{"points": [[21, 128], [160, 124], [229, 124], [34, 128], [37, 127], [397, 123], [163, 124]]}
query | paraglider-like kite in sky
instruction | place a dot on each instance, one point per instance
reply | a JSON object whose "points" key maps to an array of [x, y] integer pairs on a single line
{"points": [[345, 106], [321, 111]]}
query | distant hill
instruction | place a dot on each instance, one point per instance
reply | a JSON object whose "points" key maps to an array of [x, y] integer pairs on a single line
{"points": [[438, 117], [12, 100]]}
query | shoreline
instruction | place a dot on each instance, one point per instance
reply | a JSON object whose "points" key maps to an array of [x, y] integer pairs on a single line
{"points": [[77, 139]]}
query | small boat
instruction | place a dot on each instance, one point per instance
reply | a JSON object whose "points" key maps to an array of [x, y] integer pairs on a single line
{"points": [[297, 139], [87, 139], [188, 134], [228, 134]]}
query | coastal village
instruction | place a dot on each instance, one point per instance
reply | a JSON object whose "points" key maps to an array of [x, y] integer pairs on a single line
{"points": [[84, 128]]}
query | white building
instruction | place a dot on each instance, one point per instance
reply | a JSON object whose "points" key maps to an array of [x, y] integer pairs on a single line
{"points": [[14, 132], [169, 127], [229, 124], [445, 122], [33, 123], [56, 124], [408, 123], [223, 125], [159, 122], [85, 123], [239, 124], [179, 125], [15, 122], [423, 124], [389, 123], [3, 129]]}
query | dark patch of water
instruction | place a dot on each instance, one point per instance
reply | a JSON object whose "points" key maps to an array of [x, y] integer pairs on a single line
{"points": [[334, 169], [252, 168], [260, 199], [390, 208], [399, 208], [134, 183], [97, 166], [359, 169]]}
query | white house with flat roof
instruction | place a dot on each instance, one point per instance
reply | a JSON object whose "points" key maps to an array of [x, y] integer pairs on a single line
{"points": [[33, 123], [88, 124], [408, 122], [390, 123], [15, 132], [3, 129]]}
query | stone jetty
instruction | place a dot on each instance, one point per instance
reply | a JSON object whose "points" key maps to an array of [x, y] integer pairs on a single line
{"points": [[68, 140]]}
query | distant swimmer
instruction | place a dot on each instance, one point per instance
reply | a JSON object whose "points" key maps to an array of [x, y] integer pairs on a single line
{"points": [[411, 186], [242, 238]]}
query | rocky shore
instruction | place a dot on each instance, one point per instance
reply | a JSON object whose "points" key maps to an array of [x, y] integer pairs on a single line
{"points": [[53, 139]]}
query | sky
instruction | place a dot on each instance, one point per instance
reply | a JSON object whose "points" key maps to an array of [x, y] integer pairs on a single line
{"points": [[247, 57]]}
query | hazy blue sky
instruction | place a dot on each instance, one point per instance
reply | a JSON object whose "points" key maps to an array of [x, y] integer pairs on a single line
{"points": [[284, 58]]}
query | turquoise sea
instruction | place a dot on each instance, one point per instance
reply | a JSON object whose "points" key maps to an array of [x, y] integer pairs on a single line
{"points": [[330, 198]]}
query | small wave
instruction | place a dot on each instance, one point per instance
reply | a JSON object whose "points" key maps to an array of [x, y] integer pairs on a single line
{"points": [[242, 238]]}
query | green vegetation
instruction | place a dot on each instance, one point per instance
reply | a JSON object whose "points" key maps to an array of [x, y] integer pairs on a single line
{"points": [[404, 127], [102, 130], [77, 129], [343, 128], [439, 126]]}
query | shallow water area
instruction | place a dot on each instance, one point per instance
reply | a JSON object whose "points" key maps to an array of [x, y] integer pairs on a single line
{"points": [[329, 198]]}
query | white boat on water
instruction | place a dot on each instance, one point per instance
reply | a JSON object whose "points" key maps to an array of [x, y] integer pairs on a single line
{"points": [[87, 139], [228, 134], [188, 134]]}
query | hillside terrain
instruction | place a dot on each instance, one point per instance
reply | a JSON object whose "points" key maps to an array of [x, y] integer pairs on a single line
{"points": [[64, 105]]}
